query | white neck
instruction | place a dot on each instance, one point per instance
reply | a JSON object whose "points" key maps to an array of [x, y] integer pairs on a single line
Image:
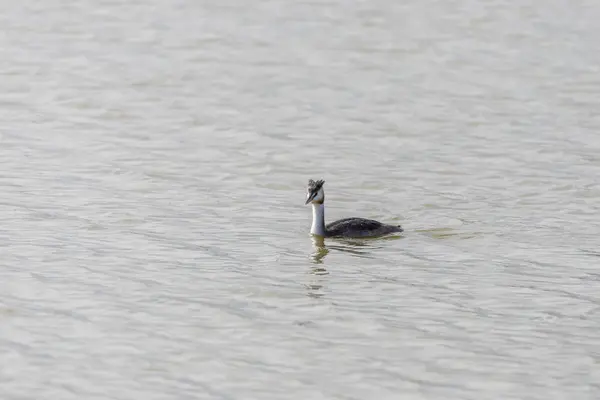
{"points": [[318, 223]]}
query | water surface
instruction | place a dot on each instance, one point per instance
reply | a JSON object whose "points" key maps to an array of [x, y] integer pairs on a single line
{"points": [[153, 162]]}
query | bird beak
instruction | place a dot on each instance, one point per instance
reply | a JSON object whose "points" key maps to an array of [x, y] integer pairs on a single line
{"points": [[309, 198]]}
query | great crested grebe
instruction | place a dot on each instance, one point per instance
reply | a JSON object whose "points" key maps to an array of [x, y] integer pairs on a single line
{"points": [[347, 227]]}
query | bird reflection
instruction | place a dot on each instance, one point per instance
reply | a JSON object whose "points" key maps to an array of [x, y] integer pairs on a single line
{"points": [[314, 288], [314, 291], [356, 247], [319, 250]]}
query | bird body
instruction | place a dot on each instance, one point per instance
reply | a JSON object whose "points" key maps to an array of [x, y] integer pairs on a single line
{"points": [[353, 227]]}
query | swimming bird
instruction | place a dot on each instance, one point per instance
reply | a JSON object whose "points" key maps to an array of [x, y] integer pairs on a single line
{"points": [[347, 227]]}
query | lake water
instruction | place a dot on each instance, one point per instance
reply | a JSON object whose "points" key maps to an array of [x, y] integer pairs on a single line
{"points": [[153, 163]]}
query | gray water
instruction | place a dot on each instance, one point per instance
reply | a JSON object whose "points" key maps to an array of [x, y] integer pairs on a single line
{"points": [[153, 162]]}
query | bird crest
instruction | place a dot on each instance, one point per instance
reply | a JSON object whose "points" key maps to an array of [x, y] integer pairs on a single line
{"points": [[315, 186]]}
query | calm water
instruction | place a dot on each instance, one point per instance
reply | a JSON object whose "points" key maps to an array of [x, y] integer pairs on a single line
{"points": [[153, 162]]}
